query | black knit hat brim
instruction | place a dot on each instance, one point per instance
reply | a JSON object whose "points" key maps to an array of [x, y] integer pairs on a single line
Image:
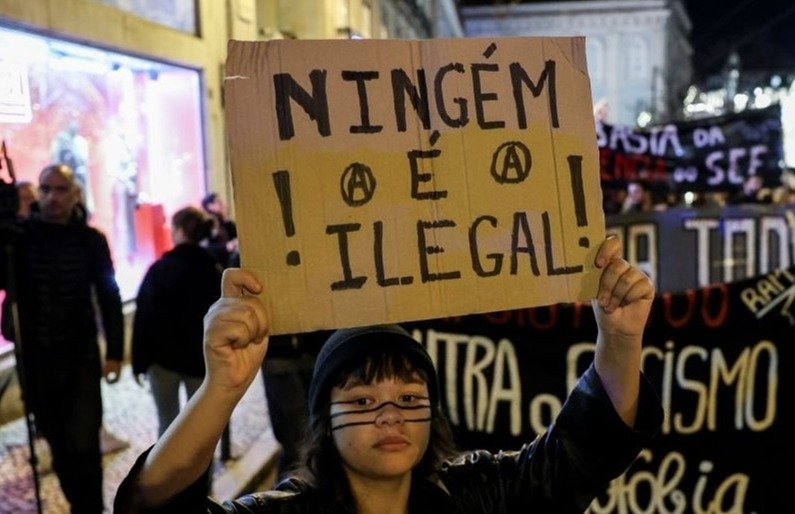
{"points": [[346, 346]]}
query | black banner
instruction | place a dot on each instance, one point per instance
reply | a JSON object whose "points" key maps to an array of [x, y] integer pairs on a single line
{"points": [[714, 154], [717, 357], [688, 248]]}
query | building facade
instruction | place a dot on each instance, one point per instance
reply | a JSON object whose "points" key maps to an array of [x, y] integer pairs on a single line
{"points": [[376, 19], [638, 51]]}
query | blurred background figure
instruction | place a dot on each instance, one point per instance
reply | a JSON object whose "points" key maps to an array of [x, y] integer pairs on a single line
{"points": [[65, 275], [222, 243], [286, 374], [27, 199], [123, 168], [613, 200], [601, 110], [784, 196], [174, 296], [752, 192], [70, 148], [638, 198], [661, 199], [167, 337]]}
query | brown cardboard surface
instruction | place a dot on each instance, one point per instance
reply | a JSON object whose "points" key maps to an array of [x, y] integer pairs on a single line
{"points": [[502, 210]]}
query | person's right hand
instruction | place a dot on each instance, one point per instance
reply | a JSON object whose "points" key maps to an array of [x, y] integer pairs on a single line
{"points": [[235, 333]]}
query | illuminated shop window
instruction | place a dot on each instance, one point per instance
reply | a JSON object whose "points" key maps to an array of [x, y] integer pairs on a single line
{"points": [[131, 128]]}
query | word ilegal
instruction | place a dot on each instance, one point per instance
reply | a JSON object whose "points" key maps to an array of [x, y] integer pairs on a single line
{"points": [[488, 265]]}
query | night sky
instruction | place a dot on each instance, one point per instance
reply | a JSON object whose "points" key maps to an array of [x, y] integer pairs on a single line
{"points": [[762, 31]]}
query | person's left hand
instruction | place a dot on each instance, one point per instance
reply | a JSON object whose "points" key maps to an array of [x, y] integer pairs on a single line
{"points": [[112, 371], [625, 295]]}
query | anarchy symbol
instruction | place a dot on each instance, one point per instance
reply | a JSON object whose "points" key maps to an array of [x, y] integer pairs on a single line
{"points": [[357, 184], [511, 163]]}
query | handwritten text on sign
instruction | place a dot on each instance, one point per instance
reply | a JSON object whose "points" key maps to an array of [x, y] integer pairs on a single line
{"points": [[385, 181]]}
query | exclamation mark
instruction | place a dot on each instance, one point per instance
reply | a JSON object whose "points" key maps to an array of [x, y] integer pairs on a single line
{"points": [[577, 189], [281, 180]]}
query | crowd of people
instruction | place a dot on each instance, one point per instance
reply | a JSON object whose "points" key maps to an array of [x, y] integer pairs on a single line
{"points": [[357, 422], [643, 196]]}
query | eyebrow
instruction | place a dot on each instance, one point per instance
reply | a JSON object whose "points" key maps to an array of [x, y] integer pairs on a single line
{"points": [[377, 407]]}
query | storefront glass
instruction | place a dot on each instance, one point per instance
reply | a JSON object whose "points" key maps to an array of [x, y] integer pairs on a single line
{"points": [[131, 128]]}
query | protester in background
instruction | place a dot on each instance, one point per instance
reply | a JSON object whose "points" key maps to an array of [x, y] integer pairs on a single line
{"points": [[28, 204], [638, 198], [752, 192], [222, 243], [172, 300], [26, 192], [60, 262], [286, 375], [613, 200], [784, 196], [378, 439], [170, 306], [711, 199], [661, 198]]}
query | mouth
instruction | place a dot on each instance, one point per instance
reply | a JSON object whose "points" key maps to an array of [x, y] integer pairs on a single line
{"points": [[392, 444]]}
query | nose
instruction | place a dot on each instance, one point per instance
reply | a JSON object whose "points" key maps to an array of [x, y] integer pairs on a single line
{"points": [[389, 415]]}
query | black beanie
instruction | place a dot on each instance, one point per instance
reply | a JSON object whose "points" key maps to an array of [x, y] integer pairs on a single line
{"points": [[346, 345]]}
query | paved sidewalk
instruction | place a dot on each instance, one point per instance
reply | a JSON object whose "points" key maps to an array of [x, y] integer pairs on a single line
{"points": [[130, 415]]}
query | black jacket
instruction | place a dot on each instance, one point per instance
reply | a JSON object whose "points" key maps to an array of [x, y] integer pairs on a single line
{"points": [[56, 268], [173, 298], [560, 472]]}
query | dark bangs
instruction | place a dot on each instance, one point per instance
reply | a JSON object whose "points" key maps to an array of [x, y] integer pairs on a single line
{"points": [[380, 364]]}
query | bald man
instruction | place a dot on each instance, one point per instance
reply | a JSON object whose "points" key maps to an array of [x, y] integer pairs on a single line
{"points": [[61, 260]]}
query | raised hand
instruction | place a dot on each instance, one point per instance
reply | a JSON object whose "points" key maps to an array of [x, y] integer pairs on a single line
{"points": [[235, 333], [624, 298], [621, 309]]}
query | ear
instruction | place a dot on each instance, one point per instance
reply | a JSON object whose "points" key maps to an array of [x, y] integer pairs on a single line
{"points": [[76, 192]]}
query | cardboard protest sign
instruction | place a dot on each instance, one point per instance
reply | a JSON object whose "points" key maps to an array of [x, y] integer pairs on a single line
{"points": [[385, 181]]}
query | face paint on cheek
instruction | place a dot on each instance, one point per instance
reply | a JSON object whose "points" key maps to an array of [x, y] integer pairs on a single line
{"points": [[419, 412]]}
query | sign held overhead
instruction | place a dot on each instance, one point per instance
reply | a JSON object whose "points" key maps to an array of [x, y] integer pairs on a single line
{"points": [[387, 181]]}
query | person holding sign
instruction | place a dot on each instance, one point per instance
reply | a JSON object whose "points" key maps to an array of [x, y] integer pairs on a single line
{"points": [[378, 441]]}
